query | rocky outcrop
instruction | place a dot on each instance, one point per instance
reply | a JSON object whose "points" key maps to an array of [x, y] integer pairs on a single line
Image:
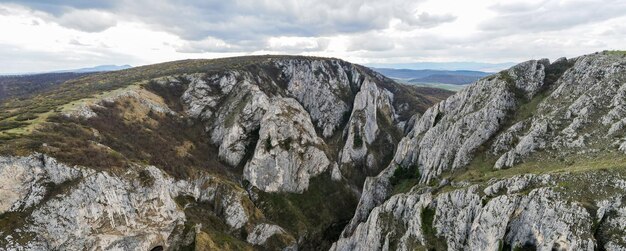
{"points": [[288, 152], [262, 232], [536, 112], [586, 96], [446, 136], [535, 213], [363, 128], [26, 181], [324, 88], [172, 148], [394, 225], [332, 97], [75, 208]]}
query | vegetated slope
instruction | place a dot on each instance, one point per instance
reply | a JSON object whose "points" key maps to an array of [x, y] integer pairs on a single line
{"points": [[21, 86], [530, 158], [239, 153]]}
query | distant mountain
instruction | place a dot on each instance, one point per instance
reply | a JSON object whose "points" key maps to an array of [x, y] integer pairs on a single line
{"points": [[457, 77], [98, 68], [447, 79], [449, 66]]}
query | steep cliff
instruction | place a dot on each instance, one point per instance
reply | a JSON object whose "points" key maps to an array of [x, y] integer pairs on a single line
{"points": [[262, 152], [273, 152], [528, 158]]}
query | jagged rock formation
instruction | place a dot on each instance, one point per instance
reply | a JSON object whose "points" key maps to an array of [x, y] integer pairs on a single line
{"points": [[526, 210], [325, 97], [194, 153], [269, 152], [535, 117], [77, 208], [288, 152]]}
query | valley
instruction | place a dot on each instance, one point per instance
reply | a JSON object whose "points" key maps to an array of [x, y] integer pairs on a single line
{"points": [[309, 153]]}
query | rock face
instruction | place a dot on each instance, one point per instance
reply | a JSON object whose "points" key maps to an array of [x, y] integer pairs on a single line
{"points": [[535, 117], [531, 157], [76, 208], [191, 154], [289, 110], [445, 137], [536, 214], [288, 152]]}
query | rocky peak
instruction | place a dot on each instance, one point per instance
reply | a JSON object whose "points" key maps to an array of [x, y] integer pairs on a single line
{"points": [[469, 154], [240, 153]]}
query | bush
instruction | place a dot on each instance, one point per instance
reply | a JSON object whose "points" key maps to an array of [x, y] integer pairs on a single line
{"points": [[357, 141], [268, 143], [404, 173], [7, 125], [25, 116]]}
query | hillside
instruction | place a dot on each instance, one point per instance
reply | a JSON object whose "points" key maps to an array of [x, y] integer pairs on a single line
{"points": [[264, 152], [286, 153], [22, 86], [531, 158]]}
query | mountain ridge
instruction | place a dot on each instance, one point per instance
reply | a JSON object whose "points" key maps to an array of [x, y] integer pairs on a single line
{"points": [[287, 152], [509, 162], [272, 133]]}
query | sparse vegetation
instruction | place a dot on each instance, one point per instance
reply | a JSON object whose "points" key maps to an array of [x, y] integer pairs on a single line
{"points": [[316, 216], [357, 140], [433, 242], [215, 234], [616, 53], [404, 178], [268, 143]]}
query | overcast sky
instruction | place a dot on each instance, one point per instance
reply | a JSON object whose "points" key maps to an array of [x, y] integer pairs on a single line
{"points": [[43, 35]]}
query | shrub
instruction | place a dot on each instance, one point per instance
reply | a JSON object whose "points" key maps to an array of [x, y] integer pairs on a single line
{"points": [[7, 125], [268, 143], [25, 116], [404, 173], [357, 141]]}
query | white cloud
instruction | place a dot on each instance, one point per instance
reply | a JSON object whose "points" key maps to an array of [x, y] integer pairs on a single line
{"points": [[71, 34], [427, 20], [87, 20]]}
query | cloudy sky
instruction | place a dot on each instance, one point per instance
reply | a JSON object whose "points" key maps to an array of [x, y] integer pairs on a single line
{"points": [[43, 35]]}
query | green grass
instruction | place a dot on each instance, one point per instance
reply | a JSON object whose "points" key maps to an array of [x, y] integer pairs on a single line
{"points": [[481, 169], [528, 109], [404, 178], [404, 186], [616, 53]]}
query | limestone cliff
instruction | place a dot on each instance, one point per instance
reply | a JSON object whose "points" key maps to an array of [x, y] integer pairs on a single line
{"points": [[464, 177], [229, 153]]}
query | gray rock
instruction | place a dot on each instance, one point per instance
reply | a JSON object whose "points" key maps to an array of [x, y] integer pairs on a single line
{"points": [[465, 220], [102, 209], [262, 232], [288, 152]]}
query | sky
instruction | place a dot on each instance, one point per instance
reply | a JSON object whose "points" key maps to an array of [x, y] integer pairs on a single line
{"points": [[46, 35]]}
